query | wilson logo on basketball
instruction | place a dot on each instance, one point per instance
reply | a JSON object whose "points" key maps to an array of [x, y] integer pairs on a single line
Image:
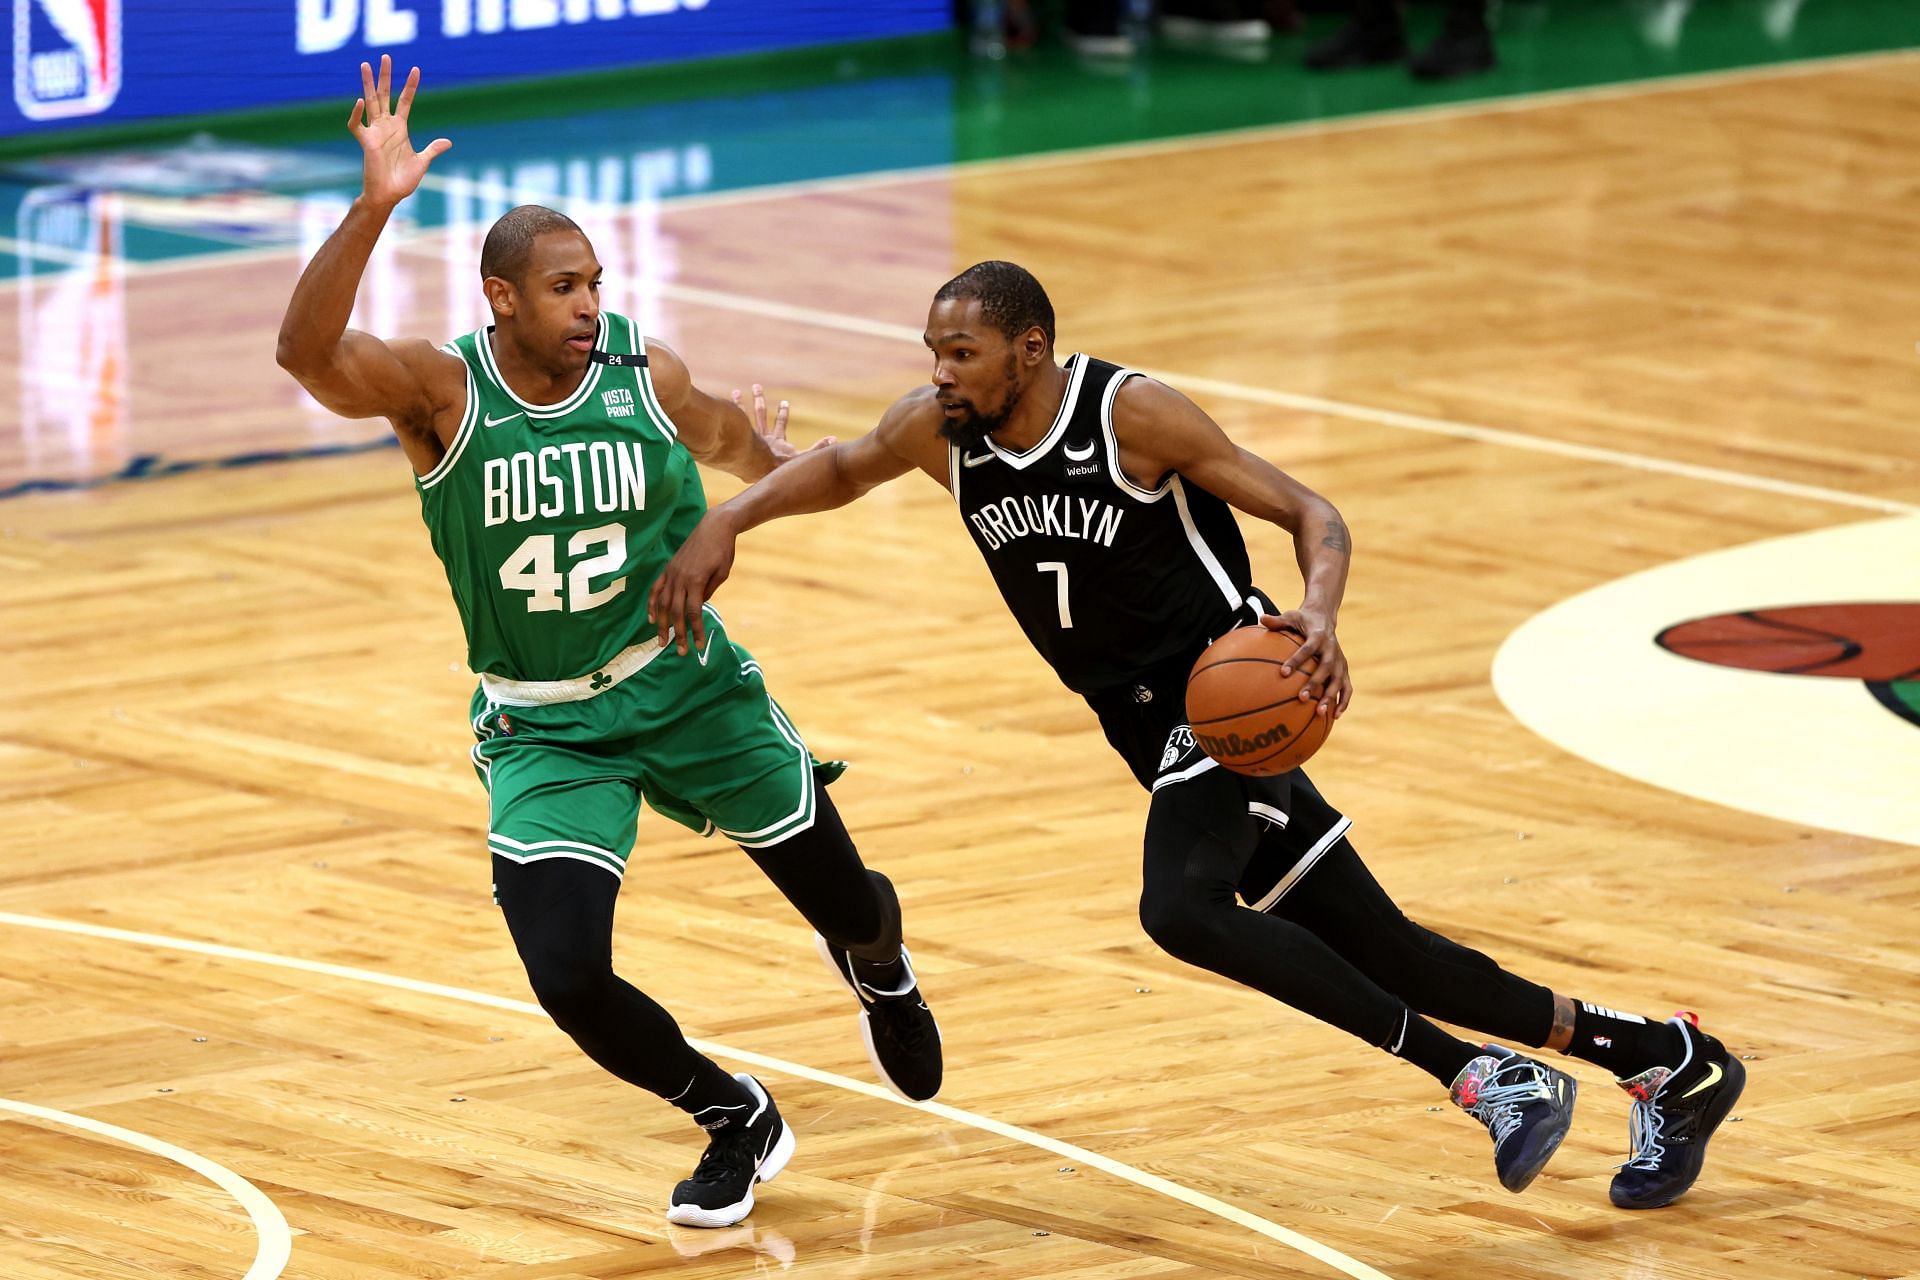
{"points": [[1233, 744], [1878, 643]]}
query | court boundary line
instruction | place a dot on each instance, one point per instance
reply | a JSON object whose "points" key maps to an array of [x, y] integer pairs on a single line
{"points": [[1314, 1249], [1304, 403], [275, 1249], [1098, 152], [414, 240]]}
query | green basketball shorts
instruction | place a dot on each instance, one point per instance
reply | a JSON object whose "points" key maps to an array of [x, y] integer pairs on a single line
{"points": [[566, 763]]}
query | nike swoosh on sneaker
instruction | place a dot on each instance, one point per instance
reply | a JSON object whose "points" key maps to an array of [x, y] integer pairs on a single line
{"points": [[1713, 1078], [494, 422]]}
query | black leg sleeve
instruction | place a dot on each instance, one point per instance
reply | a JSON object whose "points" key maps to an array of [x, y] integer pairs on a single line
{"points": [[820, 873], [1341, 902], [560, 913], [1199, 837]]}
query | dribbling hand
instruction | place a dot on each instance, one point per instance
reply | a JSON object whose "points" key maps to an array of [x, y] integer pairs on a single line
{"points": [[1329, 684], [391, 169]]}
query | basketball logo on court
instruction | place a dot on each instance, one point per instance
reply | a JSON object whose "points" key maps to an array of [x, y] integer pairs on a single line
{"points": [[1877, 643], [1779, 677], [66, 57]]}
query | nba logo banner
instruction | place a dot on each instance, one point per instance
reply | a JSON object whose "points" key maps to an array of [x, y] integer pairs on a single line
{"points": [[66, 57]]}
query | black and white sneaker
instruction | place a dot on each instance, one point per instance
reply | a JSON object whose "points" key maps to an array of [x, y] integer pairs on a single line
{"points": [[720, 1192], [1675, 1111], [1527, 1107], [902, 1039]]}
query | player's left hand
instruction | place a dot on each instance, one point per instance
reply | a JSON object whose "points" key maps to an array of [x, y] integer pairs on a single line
{"points": [[775, 434], [1329, 684]]}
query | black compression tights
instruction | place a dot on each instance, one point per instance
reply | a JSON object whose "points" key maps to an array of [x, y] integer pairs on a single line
{"points": [[560, 913], [1336, 947]]}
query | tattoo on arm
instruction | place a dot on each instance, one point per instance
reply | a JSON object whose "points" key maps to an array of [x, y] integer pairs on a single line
{"points": [[1337, 537]]}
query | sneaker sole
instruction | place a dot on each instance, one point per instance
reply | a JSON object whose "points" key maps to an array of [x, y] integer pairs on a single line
{"points": [[692, 1215], [1196, 29], [1544, 1145], [866, 1018], [1730, 1093], [1102, 46]]}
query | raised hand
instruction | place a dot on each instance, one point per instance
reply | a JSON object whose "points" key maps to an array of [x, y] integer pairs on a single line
{"points": [[391, 169], [775, 434]]}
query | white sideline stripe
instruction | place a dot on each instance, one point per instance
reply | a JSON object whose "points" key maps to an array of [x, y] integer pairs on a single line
{"points": [[1257, 395], [51, 252], [276, 1240], [1069, 156], [1343, 409], [1236, 136], [1326, 1254]]}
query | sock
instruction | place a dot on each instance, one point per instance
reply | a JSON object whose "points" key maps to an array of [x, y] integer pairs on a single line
{"points": [[1624, 1043], [1432, 1050], [882, 978], [714, 1099]]}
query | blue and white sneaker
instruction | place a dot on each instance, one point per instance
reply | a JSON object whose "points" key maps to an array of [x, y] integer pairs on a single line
{"points": [[1527, 1107], [1675, 1111]]}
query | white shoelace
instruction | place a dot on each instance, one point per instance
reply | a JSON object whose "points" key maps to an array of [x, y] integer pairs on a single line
{"points": [[1499, 1104], [1643, 1130]]}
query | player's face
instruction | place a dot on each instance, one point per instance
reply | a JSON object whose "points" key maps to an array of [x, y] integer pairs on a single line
{"points": [[976, 371], [557, 306]]}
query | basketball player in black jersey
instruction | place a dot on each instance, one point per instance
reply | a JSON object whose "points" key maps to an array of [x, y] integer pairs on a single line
{"points": [[1100, 499]]}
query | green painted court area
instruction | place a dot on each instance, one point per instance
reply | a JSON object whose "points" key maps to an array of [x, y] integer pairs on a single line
{"points": [[919, 103]]}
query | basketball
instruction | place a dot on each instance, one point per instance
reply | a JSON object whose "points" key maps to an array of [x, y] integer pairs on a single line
{"points": [[1245, 713]]}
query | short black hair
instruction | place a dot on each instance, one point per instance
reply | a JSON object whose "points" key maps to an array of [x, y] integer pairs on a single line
{"points": [[1010, 298], [509, 245]]}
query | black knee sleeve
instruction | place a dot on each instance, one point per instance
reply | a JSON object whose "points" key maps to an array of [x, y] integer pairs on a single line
{"points": [[819, 871]]}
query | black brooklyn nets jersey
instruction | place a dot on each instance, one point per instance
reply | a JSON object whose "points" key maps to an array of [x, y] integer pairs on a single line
{"points": [[1107, 579]]}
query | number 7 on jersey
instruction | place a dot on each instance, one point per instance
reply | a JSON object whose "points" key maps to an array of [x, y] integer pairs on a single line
{"points": [[1060, 589]]}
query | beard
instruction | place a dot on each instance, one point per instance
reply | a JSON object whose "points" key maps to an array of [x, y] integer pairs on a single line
{"points": [[971, 429]]}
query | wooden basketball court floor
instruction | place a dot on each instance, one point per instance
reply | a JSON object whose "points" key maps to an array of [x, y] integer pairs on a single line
{"points": [[1529, 349]]}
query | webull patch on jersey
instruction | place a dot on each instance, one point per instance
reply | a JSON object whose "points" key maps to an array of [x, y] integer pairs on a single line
{"points": [[566, 479]]}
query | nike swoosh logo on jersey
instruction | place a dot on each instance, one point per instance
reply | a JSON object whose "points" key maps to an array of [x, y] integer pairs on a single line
{"points": [[1081, 456], [1713, 1078], [976, 460], [494, 422]]}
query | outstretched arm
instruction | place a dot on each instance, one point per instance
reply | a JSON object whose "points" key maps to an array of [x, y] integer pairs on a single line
{"points": [[718, 433], [1160, 430], [819, 480], [356, 374]]}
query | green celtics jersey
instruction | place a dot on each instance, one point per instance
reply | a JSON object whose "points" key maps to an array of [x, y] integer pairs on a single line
{"points": [[553, 520]]}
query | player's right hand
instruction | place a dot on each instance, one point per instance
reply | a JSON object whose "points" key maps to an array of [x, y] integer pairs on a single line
{"points": [[696, 571], [391, 169]]}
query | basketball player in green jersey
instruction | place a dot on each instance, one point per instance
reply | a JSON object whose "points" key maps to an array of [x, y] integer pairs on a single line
{"points": [[554, 453]]}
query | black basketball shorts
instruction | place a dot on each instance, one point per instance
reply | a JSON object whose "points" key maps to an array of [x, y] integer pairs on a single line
{"points": [[1147, 724]]}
